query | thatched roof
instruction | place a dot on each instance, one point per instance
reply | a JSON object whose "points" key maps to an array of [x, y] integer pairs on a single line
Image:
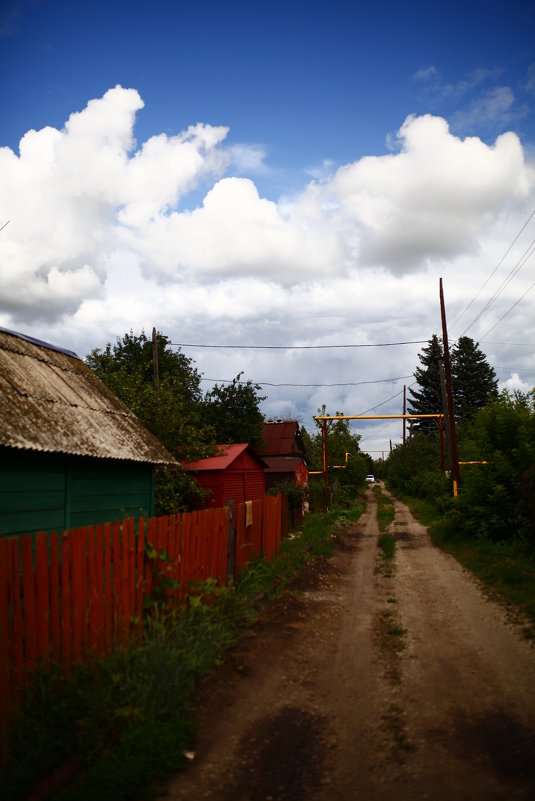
{"points": [[51, 401]]}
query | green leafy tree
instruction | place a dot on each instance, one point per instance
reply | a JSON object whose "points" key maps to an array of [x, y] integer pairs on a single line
{"points": [[233, 412], [426, 398], [340, 440], [416, 469], [497, 499], [474, 380], [172, 410], [312, 448], [343, 450]]}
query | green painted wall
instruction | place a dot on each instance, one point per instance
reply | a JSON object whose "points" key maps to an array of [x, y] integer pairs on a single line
{"points": [[44, 492]]}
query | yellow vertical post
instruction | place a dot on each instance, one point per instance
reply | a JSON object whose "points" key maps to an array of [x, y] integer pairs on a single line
{"points": [[324, 452]]}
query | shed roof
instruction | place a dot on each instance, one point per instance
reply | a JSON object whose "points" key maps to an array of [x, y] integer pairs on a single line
{"points": [[226, 455], [283, 438], [51, 401], [282, 464]]}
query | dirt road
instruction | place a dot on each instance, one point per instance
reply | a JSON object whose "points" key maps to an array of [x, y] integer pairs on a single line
{"points": [[370, 682]]}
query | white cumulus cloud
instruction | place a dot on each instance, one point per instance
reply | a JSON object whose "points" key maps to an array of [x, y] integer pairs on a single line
{"points": [[68, 193], [100, 240], [433, 198]]}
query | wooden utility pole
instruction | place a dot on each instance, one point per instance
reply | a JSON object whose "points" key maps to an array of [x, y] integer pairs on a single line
{"points": [[452, 438], [155, 374], [444, 392]]}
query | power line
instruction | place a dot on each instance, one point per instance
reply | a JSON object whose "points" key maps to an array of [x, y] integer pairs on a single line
{"points": [[510, 309], [518, 369], [341, 384], [494, 271], [297, 347], [509, 344], [515, 270], [383, 403]]}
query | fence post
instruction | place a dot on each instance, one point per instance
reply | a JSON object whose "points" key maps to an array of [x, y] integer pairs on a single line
{"points": [[230, 546]]}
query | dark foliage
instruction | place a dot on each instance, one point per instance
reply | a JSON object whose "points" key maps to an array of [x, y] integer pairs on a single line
{"points": [[474, 380], [426, 398], [233, 412]]}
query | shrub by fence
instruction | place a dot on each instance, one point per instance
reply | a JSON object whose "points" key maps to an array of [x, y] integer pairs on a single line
{"points": [[75, 596]]}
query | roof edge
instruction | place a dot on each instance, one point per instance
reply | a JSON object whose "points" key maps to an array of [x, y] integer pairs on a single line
{"points": [[40, 343]]}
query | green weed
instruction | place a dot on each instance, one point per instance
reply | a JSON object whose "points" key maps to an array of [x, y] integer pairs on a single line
{"points": [[125, 718], [385, 509], [387, 544]]}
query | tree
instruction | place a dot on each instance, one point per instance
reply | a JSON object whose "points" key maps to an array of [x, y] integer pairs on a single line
{"points": [[173, 412], [474, 380], [342, 453], [497, 499], [340, 440], [233, 412], [427, 399]]}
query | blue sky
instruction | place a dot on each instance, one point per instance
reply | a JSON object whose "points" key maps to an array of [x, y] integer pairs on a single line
{"points": [[273, 174]]}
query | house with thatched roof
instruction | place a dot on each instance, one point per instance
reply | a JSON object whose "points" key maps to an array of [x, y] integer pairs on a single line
{"points": [[71, 453]]}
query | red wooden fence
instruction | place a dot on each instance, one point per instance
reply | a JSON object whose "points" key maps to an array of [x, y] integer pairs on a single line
{"points": [[74, 597]]}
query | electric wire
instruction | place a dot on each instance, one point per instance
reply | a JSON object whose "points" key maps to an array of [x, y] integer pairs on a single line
{"points": [[515, 270], [510, 309], [494, 270], [340, 384], [298, 347]]}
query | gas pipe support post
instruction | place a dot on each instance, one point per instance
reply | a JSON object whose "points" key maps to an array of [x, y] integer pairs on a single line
{"points": [[324, 452]]}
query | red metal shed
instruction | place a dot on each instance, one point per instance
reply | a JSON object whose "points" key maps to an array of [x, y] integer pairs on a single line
{"points": [[235, 473]]}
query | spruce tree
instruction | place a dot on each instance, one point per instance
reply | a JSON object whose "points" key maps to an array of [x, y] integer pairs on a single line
{"points": [[427, 397], [474, 380]]}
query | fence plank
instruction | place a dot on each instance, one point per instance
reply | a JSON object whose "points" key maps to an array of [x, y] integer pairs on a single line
{"points": [[42, 608], [224, 515], [173, 553], [277, 514], [212, 537], [108, 587], [28, 591], [185, 554], [140, 578], [77, 584], [151, 543], [241, 545], [117, 622], [55, 626], [125, 581], [205, 544], [98, 595], [131, 572], [93, 591], [258, 520], [66, 652]]}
